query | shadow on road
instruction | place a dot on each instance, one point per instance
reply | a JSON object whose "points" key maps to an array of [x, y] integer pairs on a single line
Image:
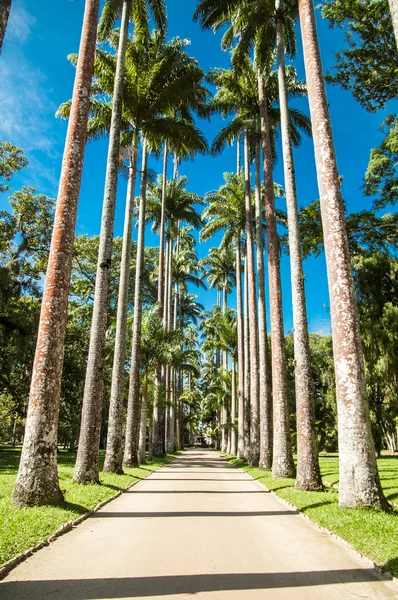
{"points": [[142, 587]]}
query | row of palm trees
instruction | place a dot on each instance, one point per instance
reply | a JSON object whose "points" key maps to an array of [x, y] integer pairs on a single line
{"points": [[148, 93], [268, 28]]}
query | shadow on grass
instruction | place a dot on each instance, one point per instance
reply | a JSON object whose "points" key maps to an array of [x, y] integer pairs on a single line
{"points": [[391, 566], [77, 508], [315, 505]]}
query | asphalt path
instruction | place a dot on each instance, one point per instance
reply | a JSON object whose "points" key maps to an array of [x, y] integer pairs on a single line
{"points": [[200, 528]]}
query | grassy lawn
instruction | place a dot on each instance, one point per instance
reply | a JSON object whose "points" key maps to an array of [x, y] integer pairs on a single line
{"points": [[20, 529], [370, 531]]}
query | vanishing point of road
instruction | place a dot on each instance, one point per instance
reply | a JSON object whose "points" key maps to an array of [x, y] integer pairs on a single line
{"points": [[200, 528]]}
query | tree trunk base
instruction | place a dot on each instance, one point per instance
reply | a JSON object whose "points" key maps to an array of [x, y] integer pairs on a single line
{"points": [[283, 471], [309, 486], [117, 470], [39, 488], [86, 477], [131, 463]]}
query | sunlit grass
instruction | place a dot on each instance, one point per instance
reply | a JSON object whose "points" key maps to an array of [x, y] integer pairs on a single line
{"points": [[20, 529], [372, 532]]}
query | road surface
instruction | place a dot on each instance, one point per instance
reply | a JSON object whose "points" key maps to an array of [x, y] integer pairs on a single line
{"points": [[197, 528]]}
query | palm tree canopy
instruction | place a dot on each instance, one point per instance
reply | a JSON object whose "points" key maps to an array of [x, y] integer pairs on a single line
{"points": [[180, 204], [140, 12]]}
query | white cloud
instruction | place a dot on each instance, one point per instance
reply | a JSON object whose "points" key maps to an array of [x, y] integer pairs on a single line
{"points": [[20, 24], [27, 109]]}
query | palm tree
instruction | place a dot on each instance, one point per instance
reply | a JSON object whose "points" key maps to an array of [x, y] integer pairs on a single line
{"points": [[359, 480], [86, 469], [308, 473], [130, 458], [5, 7], [226, 212], [37, 481], [148, 111], [238, 92], [221, 275]]}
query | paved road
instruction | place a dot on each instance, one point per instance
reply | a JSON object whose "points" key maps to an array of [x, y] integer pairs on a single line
{"points": [[198, 527]]}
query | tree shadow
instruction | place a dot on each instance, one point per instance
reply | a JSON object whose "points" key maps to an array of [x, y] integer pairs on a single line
{"points": [[189, 514], [167, 585]]}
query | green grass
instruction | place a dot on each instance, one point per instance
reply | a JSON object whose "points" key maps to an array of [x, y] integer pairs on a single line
{"points": [[20, 529], [371, 532]]}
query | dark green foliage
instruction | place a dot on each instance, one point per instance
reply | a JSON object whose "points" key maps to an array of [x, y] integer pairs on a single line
{"points": [[11, 159], [381, 178], [369, 66]]}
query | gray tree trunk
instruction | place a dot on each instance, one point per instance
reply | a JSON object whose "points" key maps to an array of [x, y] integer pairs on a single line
{"points": [[241, 359], [114, 444], [359, 480], [161, 233], [143, 427], [265, 458], [308, 473], [282, 460], [233, 449], [5, 7], [252, 310], [130, 458], [394, 14], [87, 468], [37, 481], [246, 398], [224, 364]]}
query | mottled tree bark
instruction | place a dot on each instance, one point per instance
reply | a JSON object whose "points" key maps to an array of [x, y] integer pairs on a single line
{"points": [[394, 14], [308, 473], [252, 310], [224, 364], [161, 233], [143, 427], [359, 481], [282, 460], [130, 458], [37, 481], [241, 341], [114, 445], [265, 458], [246, 396], [233, 448], [87, 469], [5, 7]]}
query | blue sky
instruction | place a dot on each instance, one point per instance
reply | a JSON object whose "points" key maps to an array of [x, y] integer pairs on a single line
{"points": [[35, 78]]}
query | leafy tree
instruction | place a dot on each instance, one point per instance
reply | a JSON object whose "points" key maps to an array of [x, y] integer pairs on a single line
{"points": [[12, 159], [369, 66], [381, 177]]}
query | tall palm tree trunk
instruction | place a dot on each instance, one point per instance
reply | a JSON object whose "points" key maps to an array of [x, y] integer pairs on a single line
{"points": [[168, 306], [359, 480], [86, 469], [246, 398], [224, 363], [114, 444], [130, 458], [241, 363], [252, 309], [282, 460], [37, 481], [5, 7], [308, 473], [143, 427], [265, 459], [161, 277], [233, 447], [394, 14]]}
